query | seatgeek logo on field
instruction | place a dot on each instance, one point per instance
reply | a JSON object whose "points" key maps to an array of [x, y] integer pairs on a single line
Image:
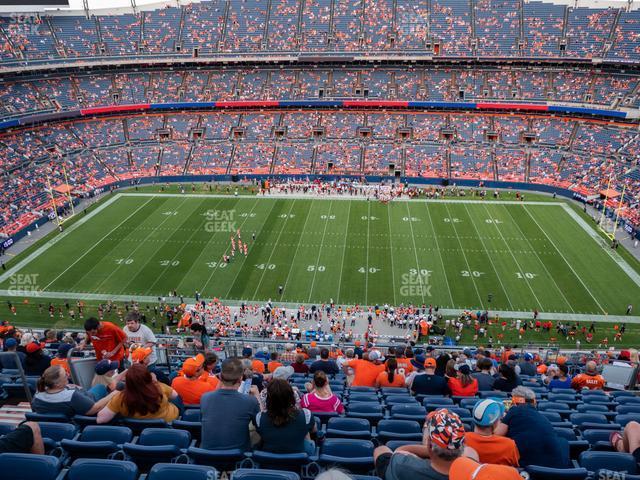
{"points": [[220, 221], [415, 283], [23, 284]]}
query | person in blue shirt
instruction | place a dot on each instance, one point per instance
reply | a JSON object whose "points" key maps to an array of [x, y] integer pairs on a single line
{"points": [[535, 437], [561, 379]]}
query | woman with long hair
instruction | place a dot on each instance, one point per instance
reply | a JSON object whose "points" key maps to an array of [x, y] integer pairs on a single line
{"points": [[143, 397], [320, 397], [390, 377], [463, 384], [284, 428], [507, 379]]}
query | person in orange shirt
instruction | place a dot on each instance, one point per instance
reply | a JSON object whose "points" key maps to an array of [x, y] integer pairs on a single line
{"points": [[366, 370], [274, 363], [590, 379], [256, 365], [404, 364], [390, 377], [464, 385], [107, 339], [61, 357], [192, 385], [491, 448]]}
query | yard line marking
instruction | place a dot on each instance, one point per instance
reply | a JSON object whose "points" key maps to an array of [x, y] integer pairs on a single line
{"points": [[315, 271], [274, 248], [344, 249], [130, 254], [490, 258], [366, 273], [444, 270], [515, 259], [196, 230], [540, 260], [393, 269], [47, 245], [293, 260], [415, 251], [565, 261], [475, 285]]}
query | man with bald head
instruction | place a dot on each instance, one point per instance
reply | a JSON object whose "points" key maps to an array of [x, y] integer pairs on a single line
{"points": [[590, 379]]}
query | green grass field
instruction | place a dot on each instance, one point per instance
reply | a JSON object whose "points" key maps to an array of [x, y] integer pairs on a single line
{"points": [[454, 254]]}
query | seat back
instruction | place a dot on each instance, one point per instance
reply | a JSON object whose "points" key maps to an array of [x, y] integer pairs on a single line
{"points": [[579, 419], [619, 462], [85, 468], [547, 473], [99, 433], [152, 437], [178, 471], [262, 474], [26, 466]]}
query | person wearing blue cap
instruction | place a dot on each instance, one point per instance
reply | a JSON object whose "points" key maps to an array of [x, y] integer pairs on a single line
{"points": [[8, 362], [490, 447], [527, 367]]}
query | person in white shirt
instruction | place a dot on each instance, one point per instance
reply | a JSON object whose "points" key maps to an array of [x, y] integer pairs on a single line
{"points": [[140, 334]]}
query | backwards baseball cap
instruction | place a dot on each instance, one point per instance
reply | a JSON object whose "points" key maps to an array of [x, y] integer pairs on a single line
{"points": [[487, 411], [283, 372], [418, 362], [463, 368], [465, 468], [140, 353], [10, 342], [104, 366], [445, 429], [528, 357], [430, 363], [191, 365], [375, 355]]}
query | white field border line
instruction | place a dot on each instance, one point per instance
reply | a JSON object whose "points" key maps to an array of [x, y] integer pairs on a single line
{"points": [[566, 261], [315, 270], [219, 261], [541, 262], [466, 260], [244, 259], [91, 248], [132, 252], [366, 272], [275, 245], [415, 251], [622, 263], [205, 250], [337, 197], [514, 259], [184, 244], [344, 251], [495, 270], [49, 243], [582, 317], [444, 270], [393, 269], [295, 254]]}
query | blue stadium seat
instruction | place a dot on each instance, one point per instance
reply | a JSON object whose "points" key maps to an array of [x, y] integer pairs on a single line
{"points": [[284, 461], [324, 417], [6, 428], [386, 391], [353, 455], [194, 428], [628, 400], [97, 441], [362, 390], [138, 425], [26, 466], [89, 468], [254, 474], [622, 393], [156, 445], [53, 433], [628, 408], [555, 419], [177, 471], [358, 428], [434, 400], [393, 444], [547, 473], [84, 420], [398, 430], [400, 400], [589, 420], [619, 462], [624, 418], [369, 411], [363, 398], [191, 415], [408, 412], [492, 394], [46, 417], [598, 439], [222, 460]]}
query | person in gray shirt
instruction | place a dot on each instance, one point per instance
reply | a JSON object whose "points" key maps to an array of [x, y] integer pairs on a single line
{"points": [[484, 377], [226, 413]]}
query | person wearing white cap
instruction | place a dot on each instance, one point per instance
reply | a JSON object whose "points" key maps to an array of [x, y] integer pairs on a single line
{"points": [[491, 448], [367, 369], [283, 373]]}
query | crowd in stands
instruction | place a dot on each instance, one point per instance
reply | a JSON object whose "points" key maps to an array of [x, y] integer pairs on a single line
{"points": [[484, 28], [575, 154], [480, 410]]}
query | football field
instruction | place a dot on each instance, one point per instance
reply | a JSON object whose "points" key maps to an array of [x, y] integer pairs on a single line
{"points": [[503, 256]]}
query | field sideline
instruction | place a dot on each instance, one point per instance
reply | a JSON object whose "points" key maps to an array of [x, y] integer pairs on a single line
{"points": [[456, 254]]}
